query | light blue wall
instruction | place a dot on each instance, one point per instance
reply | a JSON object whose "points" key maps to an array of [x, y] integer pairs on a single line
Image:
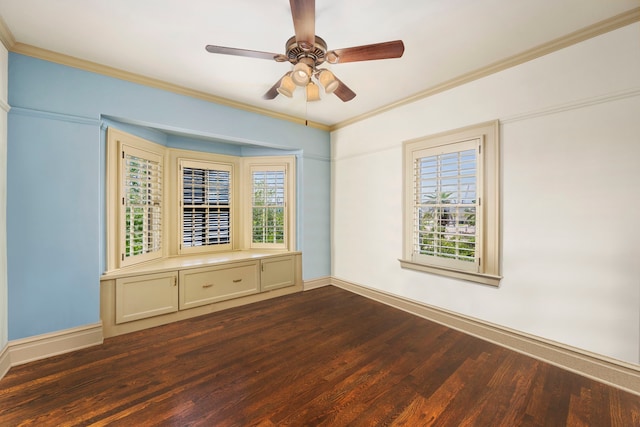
{"points": [[314, 216], [53, 213], [56, 172]]}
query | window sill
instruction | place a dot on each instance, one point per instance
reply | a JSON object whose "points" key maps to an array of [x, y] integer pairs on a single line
{"points": [[181, 262], [483, 278]]}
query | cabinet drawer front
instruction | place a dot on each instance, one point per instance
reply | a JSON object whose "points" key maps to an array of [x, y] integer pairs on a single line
{"points": [[146, 296], [208, 285]]}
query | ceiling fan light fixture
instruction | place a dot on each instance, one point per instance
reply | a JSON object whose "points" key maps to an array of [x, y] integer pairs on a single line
{"points": [[301, 74], [328, 81], [313, 92], [287, 86], [306, 52]]}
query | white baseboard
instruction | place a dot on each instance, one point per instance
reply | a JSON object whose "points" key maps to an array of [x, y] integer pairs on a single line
{"points": [[619, 374], [42, 346], [316, 283], [5, 361], [625, 376]]}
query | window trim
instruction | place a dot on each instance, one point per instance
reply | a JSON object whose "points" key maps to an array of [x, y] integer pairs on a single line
{"points": [[286, 163], [489, 216], [174, 157]]}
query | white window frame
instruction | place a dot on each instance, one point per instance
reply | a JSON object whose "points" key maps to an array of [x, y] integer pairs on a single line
{"points": [[484, 137], [437, 155], [119, 143], [206, 165], [284, 164]]}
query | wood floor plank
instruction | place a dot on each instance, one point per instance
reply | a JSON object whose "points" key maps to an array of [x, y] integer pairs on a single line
{"points": [[325, 357]]}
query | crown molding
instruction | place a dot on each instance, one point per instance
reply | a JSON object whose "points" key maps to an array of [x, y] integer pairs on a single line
{"points": [[602, 27], [70, 61], [586, 33], [6, 37]]}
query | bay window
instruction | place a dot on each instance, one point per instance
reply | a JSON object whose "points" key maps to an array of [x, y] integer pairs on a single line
{"points": [[165, 202]]}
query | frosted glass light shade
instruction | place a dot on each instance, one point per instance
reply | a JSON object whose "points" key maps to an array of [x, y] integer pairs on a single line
{"points": [[328, 81], [301, 74], [287, 86], [313, 92]]}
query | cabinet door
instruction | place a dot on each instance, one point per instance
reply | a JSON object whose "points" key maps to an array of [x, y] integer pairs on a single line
{"points": [[145, 296], [201, 286], [278, 272]]}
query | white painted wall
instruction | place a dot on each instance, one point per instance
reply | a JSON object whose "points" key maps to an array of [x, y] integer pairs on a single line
{"points": [[4, 108], [571, 198]]}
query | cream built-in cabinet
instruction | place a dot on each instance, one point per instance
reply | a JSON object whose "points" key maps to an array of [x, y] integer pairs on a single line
{"points": [[201, 286], [178, 288], [144, 296], [277, 272]]}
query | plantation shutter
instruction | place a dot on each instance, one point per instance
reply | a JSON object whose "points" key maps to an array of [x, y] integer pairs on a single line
{"points": [[141, 214], [446, 205], [206, 206], [268, 206]]}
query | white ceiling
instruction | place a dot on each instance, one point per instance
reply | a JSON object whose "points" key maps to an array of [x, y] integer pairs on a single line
{"points": [[165, 40]]}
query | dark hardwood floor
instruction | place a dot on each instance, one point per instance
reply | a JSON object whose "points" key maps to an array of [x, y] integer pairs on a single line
{"points": [[322, 357]]}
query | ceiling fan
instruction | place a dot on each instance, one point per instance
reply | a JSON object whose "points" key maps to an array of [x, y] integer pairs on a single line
{"points": [[307, 52]]}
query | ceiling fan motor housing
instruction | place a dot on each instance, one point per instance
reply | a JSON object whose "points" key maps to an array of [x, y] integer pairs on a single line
{"points": [[295, 53]]}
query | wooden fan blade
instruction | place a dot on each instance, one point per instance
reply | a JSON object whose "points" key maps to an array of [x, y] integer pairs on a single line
{"points": [[273, 92], [343, 92], [244, 52], [386, 50], [304, 22]]}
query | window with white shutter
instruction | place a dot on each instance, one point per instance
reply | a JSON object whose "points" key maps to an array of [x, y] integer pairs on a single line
{"points": [[451, 218], [140, 205], [206, 206], [269, 195], [165, 202], [445, 205], [268, 206]]}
